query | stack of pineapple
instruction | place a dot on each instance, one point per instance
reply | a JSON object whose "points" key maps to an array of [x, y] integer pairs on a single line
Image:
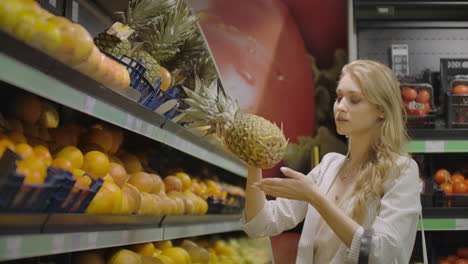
{"points": [[170, 38], [166, 37]]}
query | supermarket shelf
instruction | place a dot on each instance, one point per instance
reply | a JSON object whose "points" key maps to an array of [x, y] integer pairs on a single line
{"points": [[438, 146], [439, 133], [178, 227], [32, 245], [35, 72], [151, 228], [444, 224]]}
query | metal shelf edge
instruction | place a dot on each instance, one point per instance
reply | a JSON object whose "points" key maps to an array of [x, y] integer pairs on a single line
{"points": [[33, 80]]}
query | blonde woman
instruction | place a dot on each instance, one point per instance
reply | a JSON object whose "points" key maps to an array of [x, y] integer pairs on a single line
{"points": [[362, 207]]}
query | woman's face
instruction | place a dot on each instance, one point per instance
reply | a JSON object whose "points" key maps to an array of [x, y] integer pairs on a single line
{"points": [[354, 114]]}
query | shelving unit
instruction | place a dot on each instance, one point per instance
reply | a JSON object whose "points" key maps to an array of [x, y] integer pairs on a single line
{"points": [[37, 73], [26, 235], [70, 233], [438, 146]]}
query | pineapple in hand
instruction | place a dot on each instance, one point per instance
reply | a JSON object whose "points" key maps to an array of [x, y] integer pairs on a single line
{"points": [[252, 138]]}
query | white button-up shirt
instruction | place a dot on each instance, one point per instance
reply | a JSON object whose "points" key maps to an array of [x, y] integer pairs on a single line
{"points": [[394, 225]]}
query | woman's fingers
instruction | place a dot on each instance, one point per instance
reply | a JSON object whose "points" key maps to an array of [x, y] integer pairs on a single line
{"points": [[291, 173]]}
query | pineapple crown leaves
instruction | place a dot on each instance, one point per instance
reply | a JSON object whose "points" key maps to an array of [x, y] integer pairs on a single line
{"points": [[143, 13], [170, 32], [210, 106]]}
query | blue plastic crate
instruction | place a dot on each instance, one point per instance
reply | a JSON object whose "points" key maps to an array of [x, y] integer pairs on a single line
{"points": [[151, 95], [15, 195]]}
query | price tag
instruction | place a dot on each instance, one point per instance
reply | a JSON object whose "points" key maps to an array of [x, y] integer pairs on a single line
{"points": [[149, 130], [138, 124], [120, 31], [89, 104], [124, 235], [58, 243], [435, 146], [75, 11], [76, 241], [13, 247], [461, 224], [53, 3], [129, 121], [92, 240]]}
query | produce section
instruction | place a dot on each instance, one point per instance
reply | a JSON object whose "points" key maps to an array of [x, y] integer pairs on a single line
{"points": [[104, 145], [137, 173]]}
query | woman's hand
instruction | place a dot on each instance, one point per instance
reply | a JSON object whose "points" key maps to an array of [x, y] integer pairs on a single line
{"points": [[297, 186]]}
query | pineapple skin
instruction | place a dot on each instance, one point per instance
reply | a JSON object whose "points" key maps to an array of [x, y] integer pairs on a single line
{"points": [[112, 44], [256, 140], [150, 63]]}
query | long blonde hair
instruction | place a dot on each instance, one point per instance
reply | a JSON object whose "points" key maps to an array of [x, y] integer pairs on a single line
{"points": [[379, 85]]}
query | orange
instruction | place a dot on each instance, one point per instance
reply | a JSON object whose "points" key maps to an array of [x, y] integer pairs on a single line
{"points": [[163, 244], [43, 153], [144, 249], [27, 107], [118, 173], [131, 163], [24, 150], [82, 182], [4, 144], [178, 254], [73, 154], [63, 164], [142, 181], [77, 173], [17, 137], [107, 200], [166, 78], [96, 164], [33, 165], [165, 259], [34, 178], [186, 181], [31, 177], [100, 136]]}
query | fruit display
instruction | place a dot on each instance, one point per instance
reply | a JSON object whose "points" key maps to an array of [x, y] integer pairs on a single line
{"points": [[63, 40], [451, 183], [252, 138], [459, 101], [234, 250], [95, 151], [459, 256], [417, 98], [162, 39]]}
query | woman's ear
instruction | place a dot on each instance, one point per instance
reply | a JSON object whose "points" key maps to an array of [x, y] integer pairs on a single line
{"points": [[381, 113]]}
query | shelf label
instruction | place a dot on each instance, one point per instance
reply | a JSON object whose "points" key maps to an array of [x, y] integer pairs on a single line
{"points": [[89, 104], [129, 121], [92, 240], [124, 235], [149, 130], [13, 247], [58, 243], [75, 11], [138, 124], [435, 146], [76, 241], [461, 224]]}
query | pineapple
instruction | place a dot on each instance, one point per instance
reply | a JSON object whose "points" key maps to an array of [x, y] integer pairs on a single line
{"points": [[192, 59], [112, 44], [252, 138], [139, 15], [170, 32], [151, 65]]}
